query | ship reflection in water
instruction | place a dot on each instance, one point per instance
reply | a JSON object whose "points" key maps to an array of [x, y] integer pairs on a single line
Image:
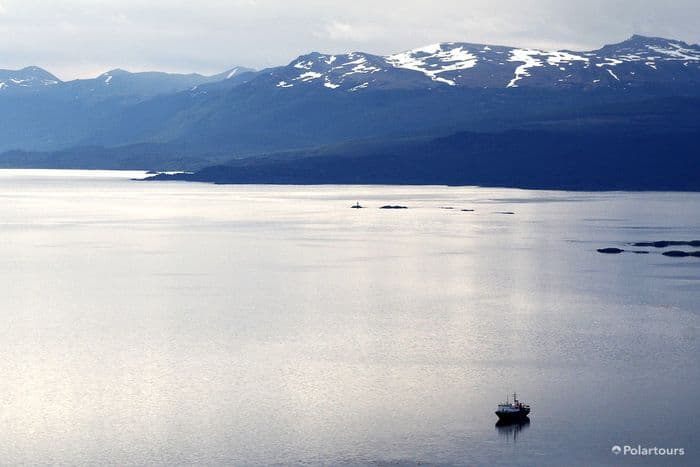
{"points": [[509, 430]]}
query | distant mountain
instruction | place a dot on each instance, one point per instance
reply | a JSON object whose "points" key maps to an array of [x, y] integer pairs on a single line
{"points": [[40, 112], [143, 85], [321, 99], [234, 74], [113, 83], [637, 61], [27, 79], [532, 159], [639, 86]]}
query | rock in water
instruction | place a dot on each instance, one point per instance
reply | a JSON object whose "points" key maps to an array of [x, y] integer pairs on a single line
{"points": [[682, 254], [610, 251], [667, 243]]}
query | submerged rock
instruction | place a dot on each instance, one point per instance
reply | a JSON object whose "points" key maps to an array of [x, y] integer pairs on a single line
{"points": [[610, 251]]}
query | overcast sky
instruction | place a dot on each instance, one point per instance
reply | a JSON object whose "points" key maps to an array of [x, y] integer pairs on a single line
{"points": [[83, 38]]}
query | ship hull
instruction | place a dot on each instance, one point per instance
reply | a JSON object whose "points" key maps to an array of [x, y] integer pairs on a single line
{"points": [[513, 416]]}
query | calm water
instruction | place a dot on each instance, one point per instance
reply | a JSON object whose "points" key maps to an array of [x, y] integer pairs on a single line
{"points": [[173, 323]]}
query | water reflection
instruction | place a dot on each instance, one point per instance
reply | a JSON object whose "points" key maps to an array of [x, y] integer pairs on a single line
{"points": [[174, 323], [511, 430]]}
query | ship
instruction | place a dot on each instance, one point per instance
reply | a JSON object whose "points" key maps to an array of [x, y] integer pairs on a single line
{"points": [[512, 412]]}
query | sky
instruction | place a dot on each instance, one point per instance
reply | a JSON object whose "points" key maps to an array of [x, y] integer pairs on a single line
{"points": [[84, 38]]}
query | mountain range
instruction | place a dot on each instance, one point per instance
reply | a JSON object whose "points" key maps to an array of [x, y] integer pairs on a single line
{"points": [[330, 113]]}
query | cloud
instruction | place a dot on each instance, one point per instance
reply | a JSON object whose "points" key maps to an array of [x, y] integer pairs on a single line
{"points": [[73, 38], [339, 31]]}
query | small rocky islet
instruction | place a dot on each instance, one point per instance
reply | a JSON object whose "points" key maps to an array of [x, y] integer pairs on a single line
{"points": [[359, 206], [450, 208], [610, 251], [659, 245], [617, 251], [446, 208], [682, 254], [667, 243]]}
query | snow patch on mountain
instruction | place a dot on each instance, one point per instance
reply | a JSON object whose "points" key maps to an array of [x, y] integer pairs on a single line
{"points": [[308, 76], [304, 65], [361, 65], [434, 60], [531, 58], [359, 87], [611, 62], [677, 52], [557, 57], [527, 57]]}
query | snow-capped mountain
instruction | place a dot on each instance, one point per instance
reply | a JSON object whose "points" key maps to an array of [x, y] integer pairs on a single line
{"points": [[637, 61], [123, 83], [321, 99], [114, 83], [29, 78]]}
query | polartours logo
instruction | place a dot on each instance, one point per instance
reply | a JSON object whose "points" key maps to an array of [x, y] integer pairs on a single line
{"points": [[640, 450]]}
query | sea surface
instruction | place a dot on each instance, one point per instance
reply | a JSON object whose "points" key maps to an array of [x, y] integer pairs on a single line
{"points": [[178, 323]]}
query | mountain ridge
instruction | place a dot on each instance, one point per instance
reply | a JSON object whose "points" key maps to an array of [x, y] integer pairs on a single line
{"points": [[528, 159], [638, 86], [485, 65], [443, 62]]}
